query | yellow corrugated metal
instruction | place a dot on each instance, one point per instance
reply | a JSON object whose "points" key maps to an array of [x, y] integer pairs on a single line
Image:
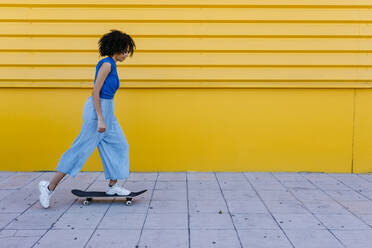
{"points": [[266, 63]]}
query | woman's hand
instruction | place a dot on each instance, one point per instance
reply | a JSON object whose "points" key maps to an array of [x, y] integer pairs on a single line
{"points": [[101, 126]]}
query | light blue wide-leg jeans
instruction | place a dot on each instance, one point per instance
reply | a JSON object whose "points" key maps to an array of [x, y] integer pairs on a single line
{"points": [[112, 144]]}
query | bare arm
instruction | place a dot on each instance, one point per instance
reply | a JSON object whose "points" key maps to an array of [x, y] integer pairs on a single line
{"points": [[101, 76]]}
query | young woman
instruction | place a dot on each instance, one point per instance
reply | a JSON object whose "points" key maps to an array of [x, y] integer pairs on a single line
{"points": [[100, 126]]}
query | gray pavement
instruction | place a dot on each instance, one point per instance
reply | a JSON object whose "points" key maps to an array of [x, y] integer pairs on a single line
{"points": [[192, 209]]}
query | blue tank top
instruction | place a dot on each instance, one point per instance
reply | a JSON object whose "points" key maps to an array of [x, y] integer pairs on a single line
{"points": [[111, 84]]}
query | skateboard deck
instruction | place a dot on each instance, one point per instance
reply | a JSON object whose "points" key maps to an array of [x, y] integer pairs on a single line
{"points": [[94, 194]]}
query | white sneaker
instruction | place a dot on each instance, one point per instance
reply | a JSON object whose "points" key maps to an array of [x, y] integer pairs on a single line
{"points": [[45, 194], [116, 189]]}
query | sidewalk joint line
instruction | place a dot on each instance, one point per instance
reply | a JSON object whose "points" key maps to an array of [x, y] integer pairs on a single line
{"points": [[267, 208], [305, 207]]}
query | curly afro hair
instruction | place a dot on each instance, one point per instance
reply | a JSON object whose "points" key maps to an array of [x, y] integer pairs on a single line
{"points": [[115, 42]]}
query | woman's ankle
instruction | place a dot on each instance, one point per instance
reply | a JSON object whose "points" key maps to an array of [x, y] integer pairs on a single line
{"points": [[51, 187], [112, 182]]}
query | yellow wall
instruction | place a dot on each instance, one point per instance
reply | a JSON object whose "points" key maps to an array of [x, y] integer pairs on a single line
{"points": [[218, 85]]}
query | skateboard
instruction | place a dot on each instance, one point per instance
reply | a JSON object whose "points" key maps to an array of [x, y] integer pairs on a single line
{"points": [[89, 195]]}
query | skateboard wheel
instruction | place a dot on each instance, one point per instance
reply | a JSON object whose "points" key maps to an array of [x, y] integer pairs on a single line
{"points": [[86, 202], [128, 203]]}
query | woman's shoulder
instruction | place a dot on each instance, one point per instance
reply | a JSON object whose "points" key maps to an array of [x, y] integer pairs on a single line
{"points": [[106, 60]]}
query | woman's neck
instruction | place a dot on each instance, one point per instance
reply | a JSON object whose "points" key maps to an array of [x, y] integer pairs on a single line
{"points": [[114, 59]]}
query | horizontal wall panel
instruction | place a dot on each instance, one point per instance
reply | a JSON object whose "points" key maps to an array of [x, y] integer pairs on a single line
{"points": [[89, 59], [184, 14], [193, 44], [203, 73], [211, 3], [189, 84], [187, 29]]}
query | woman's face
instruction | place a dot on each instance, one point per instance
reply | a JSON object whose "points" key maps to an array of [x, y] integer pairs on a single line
{"points": [[121, 56]]}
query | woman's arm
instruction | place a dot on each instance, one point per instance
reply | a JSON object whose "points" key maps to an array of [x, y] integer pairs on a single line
{"points": [[101, 76]]}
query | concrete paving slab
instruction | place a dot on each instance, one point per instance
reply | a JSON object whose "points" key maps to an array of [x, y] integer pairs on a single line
{"points": [[240, 195], [230, 176], [346, 195], [31, 220], [18, 180], [299, 185], [171, 185], [172, 176], [354, 238], [310, 195], [289, 177], [318, 177], [67, 238], [4, 193], [203, 185], [7, 233], [202, 206], [211, 221], [122, 221], [358, 186], [214, 238], [114, 238], [5, 174], [71, 221], [342, 222], [16, 242], [99, 185], [276, 186], [348, 178], [235, 185], [19, 201], [97, 206], [273, 195], [81, 181], [313, 239], [254, 221], [169, 195], [367, 176], [166, 221], [259, 238], [142, 176], [137, 186], [212, 195], [163, 207], [358, 207], [286, 207], [260, 177], [367, 194], [201, 176], [298, 221], [331, 186], [118, 206], [6, 219], [247, 207], [326, 207], [366, 218], [164, 239], [29, 233]]}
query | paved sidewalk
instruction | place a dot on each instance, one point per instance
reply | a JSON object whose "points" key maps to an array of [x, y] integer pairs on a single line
{"points": [[193, 209]]}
